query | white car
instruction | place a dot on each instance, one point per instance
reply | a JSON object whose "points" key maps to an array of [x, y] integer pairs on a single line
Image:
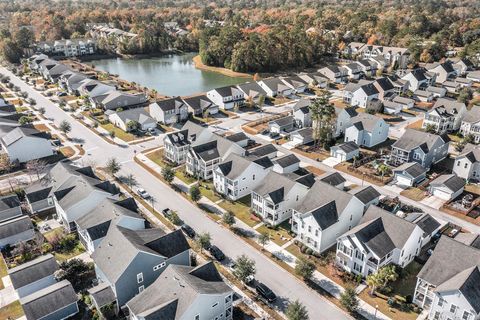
{"points": [[142, 193]]}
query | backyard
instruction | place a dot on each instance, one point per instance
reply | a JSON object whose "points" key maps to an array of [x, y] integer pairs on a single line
{"points": [[13, 310], [207, 190], [181, 174], [119, 133], [241, 210], [65, 246], [279, 235]]}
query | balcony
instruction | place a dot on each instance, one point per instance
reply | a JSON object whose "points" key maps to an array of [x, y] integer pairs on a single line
{"points": [[372, 263]]}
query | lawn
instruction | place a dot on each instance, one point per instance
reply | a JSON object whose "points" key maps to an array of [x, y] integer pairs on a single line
{"points": [[208, 190], [119, 133], [184, 176], [241, 210], [3, 271], [414, 193], [157, 157], [67, 152], [383, 307], [53, 233], [41, 127], [64, 256], [473, 188], [13, 310], [417, 125], [279, 236]]}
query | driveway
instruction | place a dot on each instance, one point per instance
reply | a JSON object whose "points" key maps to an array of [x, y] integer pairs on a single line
{"points": [[433, 202], [331, 161], [8, 294]]}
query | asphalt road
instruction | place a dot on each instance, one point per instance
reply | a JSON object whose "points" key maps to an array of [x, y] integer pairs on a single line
{"points": [[286, 286]]}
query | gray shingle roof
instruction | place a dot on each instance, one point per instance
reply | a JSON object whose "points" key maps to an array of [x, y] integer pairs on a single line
{"points": [[348, 147], [467, 282], [170, 296], [33, 270], [170, 103], [276, 186], [275, 84], [48, 300], [102, 294], [412, 168], [451, 181], [9, 207], [201, 102], [18, 133], [237, 137], [451, 106], [287, 160], [285, 121], [228, 91], [367, 121], [263, 150], [428, 224], [332, 178], [15, 226], [366, 194], [472, 115], [137, 114], [413, 139], [252, 89]]}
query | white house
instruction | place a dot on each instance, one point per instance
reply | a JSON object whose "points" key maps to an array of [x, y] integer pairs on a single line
{"points": [[471, 123], [34, 275], [302, 136], [380, 239], [227, 98], [282, 125], [474, 76], [115, 99], [419, 78], [445, 116], [132, 119], [354, 70], [446, 187], [447, 286], [169, 111], [423, 95], [345, 151], [252, 91], [409, 174], [467, 164], [367, 130], [437, 92], [25, 143], [301, 113], [343, 119], [297, 84], [334, 74], [443, 71], [237, 176], [314, 78], [406, 103], [462, 66], [275, 87], [363, 96], [275, 197], [286, 164], [92, 88], [201, 105], [325, 213]]}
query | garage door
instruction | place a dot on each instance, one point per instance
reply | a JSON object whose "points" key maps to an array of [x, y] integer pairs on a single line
{"points": [[441, 194], [404, 181], [339, 155], [297, 140]]}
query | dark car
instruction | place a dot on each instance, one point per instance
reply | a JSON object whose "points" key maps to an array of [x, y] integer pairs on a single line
{"points": [[166, 212], [216, 253], [188, 230], [274, 135], [265, 292]]}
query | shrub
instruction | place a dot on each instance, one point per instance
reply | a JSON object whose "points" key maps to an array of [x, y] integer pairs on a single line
{"points": [[309, 251]]}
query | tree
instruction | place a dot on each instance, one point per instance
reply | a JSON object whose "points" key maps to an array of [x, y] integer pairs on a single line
{"points": [[11, 51], [6, 166], [349, 299], [130, 180], [383, 169], [263, 239], [228, 218], [36, 167], [465, 95], [133, 125], [65, 126], [323, 116], [112, 166], [430, 128], [112, 134], [304, 268], [244, 268], [195, 193], [24, 37], [296, 311], [204, 241], [168, 173], [25, 120], [381, 278], [42, 110], [77, 272]]}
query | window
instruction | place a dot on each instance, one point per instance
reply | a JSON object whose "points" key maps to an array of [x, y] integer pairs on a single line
{"points": [[440, 302], [215, 304], [357, 267], [436, 316], [140, 277], [253, 177], [466, 315], [453, 308], [228, 299], [140, 289], [358, 255], [159, 266], [228, 312]]}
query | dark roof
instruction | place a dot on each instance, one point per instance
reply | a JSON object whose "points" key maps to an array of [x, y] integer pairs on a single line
{"points": [[413, 139], [9, 207], [285, 121], [207, 151], [348, 147], [102, 294], [201, 102], [366, 194], [428, 224], [287, 160], [451, 181], [332, 178], [33, 270], [178, 138], [18, 133], [414, 169], [252, 89], [237, 137], [15, 226], [369, 89], [48, 300], [351, 111], [169, 104], [326, 215], [307, 180], [228, 91], [263, 150], [384, 84]]}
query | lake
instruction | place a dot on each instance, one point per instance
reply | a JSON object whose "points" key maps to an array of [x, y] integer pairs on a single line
{"points": [[171, 75]]}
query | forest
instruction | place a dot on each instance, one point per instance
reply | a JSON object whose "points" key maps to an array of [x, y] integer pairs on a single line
{"points": [[266, 35]]}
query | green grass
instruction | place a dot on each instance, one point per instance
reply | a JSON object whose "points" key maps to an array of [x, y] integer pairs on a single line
{"points": [[241, 210], [279, 236], [157, 157], [52, 233], [119, 133], [405, 285], [184, 176], [208, 190], [64, 256], [13, 310], [3, 271]]}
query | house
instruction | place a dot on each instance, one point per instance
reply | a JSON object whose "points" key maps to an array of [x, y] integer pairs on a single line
{"points": [[92, 88], [34, 275], [103, 297], [354, 70], [421, 147], [463, 82], [462, 66], [55, 302], [275, 197], [239, 138], [297, 84], [334, 74], [447, 187], [36, 60], [437, 92], [131, 260], [406, 103], [345, 151], [268, 150], [367, 130], [447, 286], [445, 116], [114, 100], [384, 87], [390, 107], [314, 79], [429, 225], [334, 179], [169, 111], [132, 119], [452, 86], [467, 164], [419, 78], [392, 55], [237, 176], [70, 81], [324, 213], [229, 97], [286, 164], [184, 292], [409, 174], [16, 230], [368, 68], [10, 207], [302, 136], [363, 96], [367, 195], [204, 158], [474, 76], [380, 239], [443, 71], [282, 125], [200, 105], [349, 90], [53, 72], [471, 123], [400, 86], [94, 225], [69, 191], [423, 95], [343, 119], [25, 143], [301, 113], [67, 47], [275, 87]]}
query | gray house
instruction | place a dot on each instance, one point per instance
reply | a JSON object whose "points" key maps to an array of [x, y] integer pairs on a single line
{"points": [[421, 147], [169, 111], [284, 124], [184, 292], [16, 230], [33, 275], [119, 99], [131, 260], [55, 302], [10, 207], [409, 174]]}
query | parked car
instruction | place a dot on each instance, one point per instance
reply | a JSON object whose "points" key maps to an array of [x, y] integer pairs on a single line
{"points": [[265, 132], [265, 292], [142, 193], [188, 230], [167, 212], [57, 142], [453, 233], [61, 94], [151, 130], [216, 253], [274, 135]]}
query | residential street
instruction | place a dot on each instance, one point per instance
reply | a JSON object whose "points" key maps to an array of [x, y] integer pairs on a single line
{"points": [[286, 286]]}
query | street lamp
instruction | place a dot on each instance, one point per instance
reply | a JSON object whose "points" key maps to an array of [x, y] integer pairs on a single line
{"points": [[376, 309]]}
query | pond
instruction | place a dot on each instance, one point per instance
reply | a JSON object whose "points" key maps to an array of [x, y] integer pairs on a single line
{"points": [[171, 75]]}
